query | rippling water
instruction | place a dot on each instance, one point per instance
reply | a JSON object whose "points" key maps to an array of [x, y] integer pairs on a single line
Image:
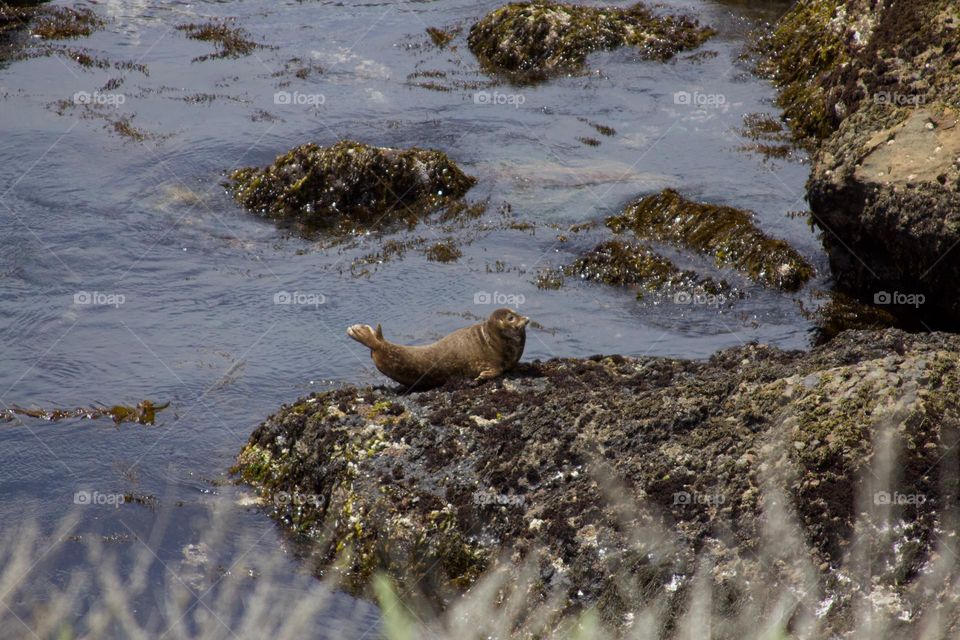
{"points": [[87, 210]]}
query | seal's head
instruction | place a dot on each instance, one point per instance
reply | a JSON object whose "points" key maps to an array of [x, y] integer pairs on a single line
{"points": [[507, 322]]}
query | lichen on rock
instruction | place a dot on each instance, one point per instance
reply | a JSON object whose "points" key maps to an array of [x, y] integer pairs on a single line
{"points": [[727, 234], [534, 39], [350, 183]]}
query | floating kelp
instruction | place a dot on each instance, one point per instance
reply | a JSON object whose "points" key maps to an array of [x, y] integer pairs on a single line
{"points": [[841, 312], [442, 37], [144, 413], [535, 39], [725, 233], [59, 23], [768, 135], [619, 263], [231, 42], [445, 251], [350, 182]]}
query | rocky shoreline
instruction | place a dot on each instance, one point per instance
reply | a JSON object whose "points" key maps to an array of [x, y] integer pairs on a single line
{"points": [[625, 482], [567, 461], [871, 90]]}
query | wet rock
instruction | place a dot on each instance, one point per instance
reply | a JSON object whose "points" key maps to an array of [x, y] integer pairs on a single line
{"points": [[872, 90], [726, 234], [570, 462], [634, 265], [534, 39], [350, 183], [841, 312]]}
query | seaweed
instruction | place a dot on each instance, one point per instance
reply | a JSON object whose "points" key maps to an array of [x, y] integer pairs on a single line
{"points": [[532, 40], [350, 182], [231, 42], [727, 234]]}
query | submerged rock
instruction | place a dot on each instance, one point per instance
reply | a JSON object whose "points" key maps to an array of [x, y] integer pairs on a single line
{"points": [[725, 233], [575, 460], [350, 182], [538, 38], [631, 264], [873, 91]]}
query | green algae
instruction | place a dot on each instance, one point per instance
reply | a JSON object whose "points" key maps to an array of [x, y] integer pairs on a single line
{"points": [[350, 182], [805, 46], [531, 40], [725, 233]]}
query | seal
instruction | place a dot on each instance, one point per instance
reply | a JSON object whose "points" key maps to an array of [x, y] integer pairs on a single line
{"points": [[482, 351]]}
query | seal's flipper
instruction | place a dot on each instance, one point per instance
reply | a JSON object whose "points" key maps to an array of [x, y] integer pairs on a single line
{"points": [[365, 335]]}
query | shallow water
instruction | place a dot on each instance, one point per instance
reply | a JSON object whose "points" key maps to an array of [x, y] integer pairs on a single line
{"points": [[87, 210]]}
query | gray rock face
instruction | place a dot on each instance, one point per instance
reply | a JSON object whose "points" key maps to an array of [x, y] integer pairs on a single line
{"points": [[621, 478]]}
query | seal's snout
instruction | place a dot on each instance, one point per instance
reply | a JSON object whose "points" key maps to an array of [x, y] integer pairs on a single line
{"points": [[524, 321]]}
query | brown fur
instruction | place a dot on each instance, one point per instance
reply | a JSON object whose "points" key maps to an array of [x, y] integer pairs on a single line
{"points": [[482, 351]]}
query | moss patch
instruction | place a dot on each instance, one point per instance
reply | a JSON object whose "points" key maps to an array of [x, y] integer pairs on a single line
{"points": [[350, 182], [725, 233], [534, 39]]}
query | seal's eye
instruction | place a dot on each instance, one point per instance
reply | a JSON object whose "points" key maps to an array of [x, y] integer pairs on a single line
{"points": [[511, 318]]}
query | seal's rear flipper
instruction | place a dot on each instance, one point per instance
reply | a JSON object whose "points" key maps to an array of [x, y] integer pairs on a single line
{"points": [[365, 335]]}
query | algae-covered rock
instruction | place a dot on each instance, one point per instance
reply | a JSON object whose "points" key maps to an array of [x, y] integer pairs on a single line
{"points": [[350, 182], [575, 459], [619, 263], [873, 89], [840, 312], [725, 233], [537, 38]]}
